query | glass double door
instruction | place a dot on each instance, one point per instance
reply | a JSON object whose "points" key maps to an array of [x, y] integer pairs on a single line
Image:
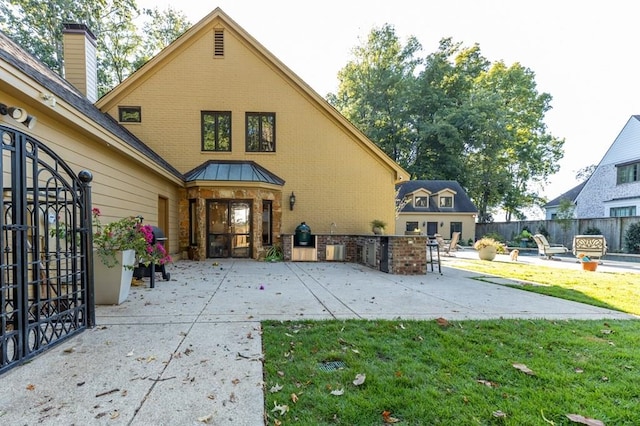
{"points": [[228, 228]]}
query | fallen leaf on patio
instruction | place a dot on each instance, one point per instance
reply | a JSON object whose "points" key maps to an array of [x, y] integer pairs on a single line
{"points": [[205, 419], [337, 392], [31, 387], [442, 322], [360, 378], [151, 358], [115, 415], [235, 381], [294, 398], [386, 417], [524, 369], [275, 388], [130, 353], [584, 420], [281, 408], [499, 414]]}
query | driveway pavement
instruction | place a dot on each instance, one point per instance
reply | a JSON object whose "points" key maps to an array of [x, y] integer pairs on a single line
{"points": [[188, 352]]}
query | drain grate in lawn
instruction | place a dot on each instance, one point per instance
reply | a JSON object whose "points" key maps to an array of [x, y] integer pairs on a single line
{"points": [[331, 365]]}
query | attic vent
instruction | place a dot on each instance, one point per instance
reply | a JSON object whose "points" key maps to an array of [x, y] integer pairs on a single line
{"points": [[218, 44]]}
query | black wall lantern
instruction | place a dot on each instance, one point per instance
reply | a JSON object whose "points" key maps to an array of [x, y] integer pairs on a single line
{"points": [[292, 200]]}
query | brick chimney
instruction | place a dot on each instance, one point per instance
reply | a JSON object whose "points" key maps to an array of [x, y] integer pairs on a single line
{"points": [[80, 59]]}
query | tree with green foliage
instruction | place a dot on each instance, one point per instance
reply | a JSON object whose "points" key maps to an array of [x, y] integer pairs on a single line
{"points": [[462, 118], [376, 88], [37, 27]]}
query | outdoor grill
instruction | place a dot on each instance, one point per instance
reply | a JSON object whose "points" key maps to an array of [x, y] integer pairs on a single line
{"points": [[151, 270]]}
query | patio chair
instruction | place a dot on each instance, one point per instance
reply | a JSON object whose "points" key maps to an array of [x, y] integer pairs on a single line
{"points": [[546, 249], [447, 247], [593, 246]]}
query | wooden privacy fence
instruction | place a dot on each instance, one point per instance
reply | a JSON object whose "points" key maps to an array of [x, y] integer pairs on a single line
{"points": [[560, 232]]}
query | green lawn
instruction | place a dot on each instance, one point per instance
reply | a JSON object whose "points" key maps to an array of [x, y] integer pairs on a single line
{"points": [[452, 373], [497, 372], [620, 291]]}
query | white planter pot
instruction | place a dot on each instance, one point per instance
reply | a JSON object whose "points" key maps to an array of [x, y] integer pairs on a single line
{"points": [[112, 285]]}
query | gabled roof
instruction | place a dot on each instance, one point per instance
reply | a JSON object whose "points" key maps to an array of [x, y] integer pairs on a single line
{"points": [[39, 73], [570, 195], [217, 17], [462, 203], [243, 171]]}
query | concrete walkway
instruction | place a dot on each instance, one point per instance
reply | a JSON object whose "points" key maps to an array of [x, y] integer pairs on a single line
{"points": [[188, 352]]}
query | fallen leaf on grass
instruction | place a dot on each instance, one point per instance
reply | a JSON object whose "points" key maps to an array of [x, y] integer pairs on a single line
{"points": [[294, 398], [360, 378], [524, 369], [386, 417], [275, 388], [442, 322], [499, 414], [281, 408], [488, 383], [577, 418], [337, 392]]}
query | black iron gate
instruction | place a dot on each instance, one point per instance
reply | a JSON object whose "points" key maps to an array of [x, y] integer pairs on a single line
{"points": [[46, 231]]}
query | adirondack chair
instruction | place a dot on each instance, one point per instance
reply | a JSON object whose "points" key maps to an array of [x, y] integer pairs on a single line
{"points": [[448, 247], [546, 249]]}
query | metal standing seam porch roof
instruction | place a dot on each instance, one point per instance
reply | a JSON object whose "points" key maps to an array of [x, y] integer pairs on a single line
{"points": [[243, 171]]}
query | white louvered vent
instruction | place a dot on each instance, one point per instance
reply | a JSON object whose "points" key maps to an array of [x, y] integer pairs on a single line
{"points": [[218, 44]]}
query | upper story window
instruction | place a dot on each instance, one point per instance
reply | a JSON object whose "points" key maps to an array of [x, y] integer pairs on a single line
{"points": [[216, 130], [446, 201], [129, 114], [421, 202], [261, 132], [622, 211], [628, 173]]}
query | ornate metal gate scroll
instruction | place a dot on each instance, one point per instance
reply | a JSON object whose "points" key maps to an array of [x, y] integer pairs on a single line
{"points": [[46, 227]]}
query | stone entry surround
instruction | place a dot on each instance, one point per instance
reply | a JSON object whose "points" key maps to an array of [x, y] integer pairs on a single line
{"points": [[405, 254]]}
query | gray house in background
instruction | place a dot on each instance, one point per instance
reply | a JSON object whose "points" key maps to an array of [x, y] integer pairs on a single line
{"points": [[553, 207], [613, 190]]}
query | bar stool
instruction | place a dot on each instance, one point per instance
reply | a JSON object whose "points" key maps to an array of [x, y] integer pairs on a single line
{"points": [[433, 255]]}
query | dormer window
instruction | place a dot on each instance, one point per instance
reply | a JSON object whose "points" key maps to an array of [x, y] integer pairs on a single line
{"points": [[421, 202], [446, 201]]}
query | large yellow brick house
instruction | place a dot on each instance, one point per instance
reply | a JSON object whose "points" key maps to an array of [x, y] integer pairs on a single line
{"points": [[214, 140]]}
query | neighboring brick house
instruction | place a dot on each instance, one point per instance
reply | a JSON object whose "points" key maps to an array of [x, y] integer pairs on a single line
{"points": [[435, 207], [214, 140], [613, 190]]}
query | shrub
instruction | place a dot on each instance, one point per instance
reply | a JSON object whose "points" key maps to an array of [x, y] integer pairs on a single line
{"points": [[592, 230], [542, 230], [632, 238]]}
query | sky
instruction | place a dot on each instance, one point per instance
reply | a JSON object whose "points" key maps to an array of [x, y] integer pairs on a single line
{"points": [[584, 54]]}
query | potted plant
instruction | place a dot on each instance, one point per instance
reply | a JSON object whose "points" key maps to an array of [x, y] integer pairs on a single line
{"points": [[587, 263], [120, 246], [377, 226], [487, 248]]}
